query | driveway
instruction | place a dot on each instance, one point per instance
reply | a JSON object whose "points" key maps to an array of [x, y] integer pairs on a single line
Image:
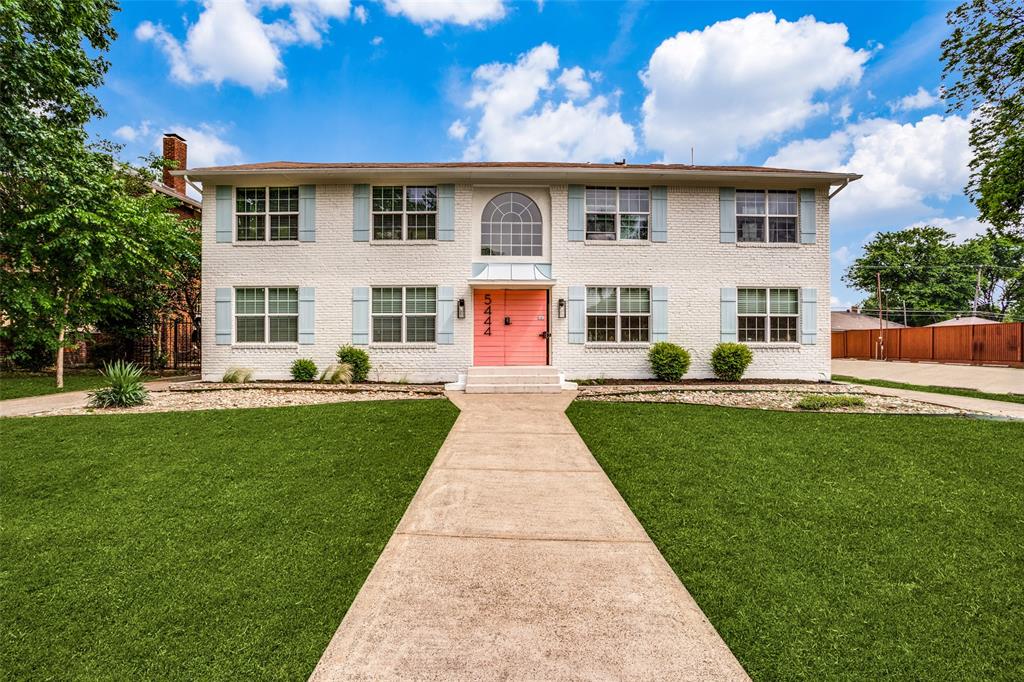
{"points": [[989, 379], [517, 559]]}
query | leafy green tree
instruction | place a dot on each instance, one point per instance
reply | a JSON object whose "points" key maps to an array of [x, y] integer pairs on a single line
{"points": [[1001, 261], [921, 268], [984, 66]]}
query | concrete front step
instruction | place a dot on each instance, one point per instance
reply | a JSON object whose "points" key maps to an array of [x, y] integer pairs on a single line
{"points": [[514, 379], [528, 370], [513, 388]]}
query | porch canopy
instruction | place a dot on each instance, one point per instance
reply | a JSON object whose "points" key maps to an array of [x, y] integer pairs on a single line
{"points": [[512, 276]]}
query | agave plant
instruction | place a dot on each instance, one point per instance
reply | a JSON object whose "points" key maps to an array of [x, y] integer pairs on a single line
{"points": [[340, 373], [124, 386]]}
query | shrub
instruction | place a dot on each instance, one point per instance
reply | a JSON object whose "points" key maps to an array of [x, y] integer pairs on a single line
{"points": [[669, 362], [825, 402], [32, 356], [357, 359], [730, 360], [237, 375], [124, 386], [340, 373], [303, 369]]}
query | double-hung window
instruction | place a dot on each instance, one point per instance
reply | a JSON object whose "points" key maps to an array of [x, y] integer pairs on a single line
{"points": [[618, 213], [257, 208], [404, 212], [404, 314], [266, 314], [618, 314], [768, 315], [766, 215]]}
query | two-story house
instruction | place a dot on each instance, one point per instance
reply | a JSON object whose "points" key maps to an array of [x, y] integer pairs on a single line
{"points": [[434, 268]]}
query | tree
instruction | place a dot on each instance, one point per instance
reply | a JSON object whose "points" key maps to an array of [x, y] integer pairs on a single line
{"points": [[921, 268], [1001, 261], [984, 59]]}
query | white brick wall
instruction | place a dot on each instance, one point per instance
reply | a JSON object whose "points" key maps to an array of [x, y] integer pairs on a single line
{"points": [[693, 265]]}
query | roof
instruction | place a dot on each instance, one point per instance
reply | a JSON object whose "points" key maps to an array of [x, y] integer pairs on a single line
{"points": [[532, 168], [843, 320], [970, 319]]}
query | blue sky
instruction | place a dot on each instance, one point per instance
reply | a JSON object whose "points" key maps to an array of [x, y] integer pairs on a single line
{"points": [[826, 85]]}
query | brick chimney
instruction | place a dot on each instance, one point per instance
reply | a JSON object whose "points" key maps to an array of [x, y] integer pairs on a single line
{"points": [[175, 149]]}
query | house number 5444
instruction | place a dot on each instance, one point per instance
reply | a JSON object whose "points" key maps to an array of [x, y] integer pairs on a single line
{"points": [[487, 314]]}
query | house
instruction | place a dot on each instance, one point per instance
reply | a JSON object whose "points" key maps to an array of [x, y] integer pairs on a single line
{"points": [[844, 320], [957, 321], [434, 268]]}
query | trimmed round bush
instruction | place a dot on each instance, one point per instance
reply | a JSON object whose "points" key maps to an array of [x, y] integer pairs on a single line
{"points": [[303, 369], [669, 362], [730, 360], [357, 359]]}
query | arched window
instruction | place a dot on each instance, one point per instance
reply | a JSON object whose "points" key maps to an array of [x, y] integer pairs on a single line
{"points": [[511, 225]]}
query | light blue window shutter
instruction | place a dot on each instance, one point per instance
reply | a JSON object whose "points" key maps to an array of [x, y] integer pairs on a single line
{"points": [[307, 315], [659, 314], [360, 213], [728, 314], [445, 315], [659, 214], [727, 218], [809, 316], [307, 213], [577, 213], [446, 213], [808, 217], [360, 316], [222, 325], [225, 213], [577, 314]]}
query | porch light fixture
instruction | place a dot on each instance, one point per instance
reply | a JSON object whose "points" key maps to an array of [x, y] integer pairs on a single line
{"points": [[561, 308], [460, 311]]}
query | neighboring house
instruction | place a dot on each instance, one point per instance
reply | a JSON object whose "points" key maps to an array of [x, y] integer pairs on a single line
{"points": [[843, 320], [437, 267], [176, 150], [956, 321]]}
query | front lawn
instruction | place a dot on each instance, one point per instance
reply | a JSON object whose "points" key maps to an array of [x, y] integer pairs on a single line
{"points": [[198, 545], [23, 385], [833, 546]]}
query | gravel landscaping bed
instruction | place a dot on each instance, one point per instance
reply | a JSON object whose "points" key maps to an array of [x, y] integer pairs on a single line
{"points": [[781, 397], [656, 387], [178, 400], [307, 386]]}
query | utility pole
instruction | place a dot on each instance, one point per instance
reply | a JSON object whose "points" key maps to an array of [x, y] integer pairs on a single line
{"points": [[977, 293], [881, 336], [905, 314]]}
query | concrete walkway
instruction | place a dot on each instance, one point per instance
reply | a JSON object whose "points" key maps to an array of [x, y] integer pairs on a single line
{"points": [[995, 408], [37, 404], [517, 559], [990, 379]]}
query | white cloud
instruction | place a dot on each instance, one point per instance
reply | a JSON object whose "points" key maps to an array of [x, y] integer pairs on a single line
{"points": [[377, 40], [525, 115], [738, 83], [843, 255], [575, 82], [132, 133], [230, 42], [457, 130], [962, 227], [360, 14], [431, 14], [922, 99], [905, 165], [206, 145]]}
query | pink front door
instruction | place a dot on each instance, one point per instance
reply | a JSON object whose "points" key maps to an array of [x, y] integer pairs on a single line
{"points": [[510, 327]]}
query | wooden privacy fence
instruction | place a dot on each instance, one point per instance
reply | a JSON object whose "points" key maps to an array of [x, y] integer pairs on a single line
{"points": [[997, 344]]}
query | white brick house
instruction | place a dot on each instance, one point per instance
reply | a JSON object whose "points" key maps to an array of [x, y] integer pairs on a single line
{"points": [[434, 268]]}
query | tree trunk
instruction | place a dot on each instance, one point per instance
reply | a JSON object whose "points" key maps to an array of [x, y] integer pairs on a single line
{"points": [[60, 358]]}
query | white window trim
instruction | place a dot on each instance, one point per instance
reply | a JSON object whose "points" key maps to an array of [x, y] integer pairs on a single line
{"points": [[766, 216], [768, 315], [618, 215], [618, 315], [403, 315], [405, 213], [266, 217], [266, 317]]}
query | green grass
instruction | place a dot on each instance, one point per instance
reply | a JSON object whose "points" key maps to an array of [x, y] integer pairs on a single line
{"points": [[22, 385], [201, 545], [820, 401], [946, 390], [833, 546]]}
